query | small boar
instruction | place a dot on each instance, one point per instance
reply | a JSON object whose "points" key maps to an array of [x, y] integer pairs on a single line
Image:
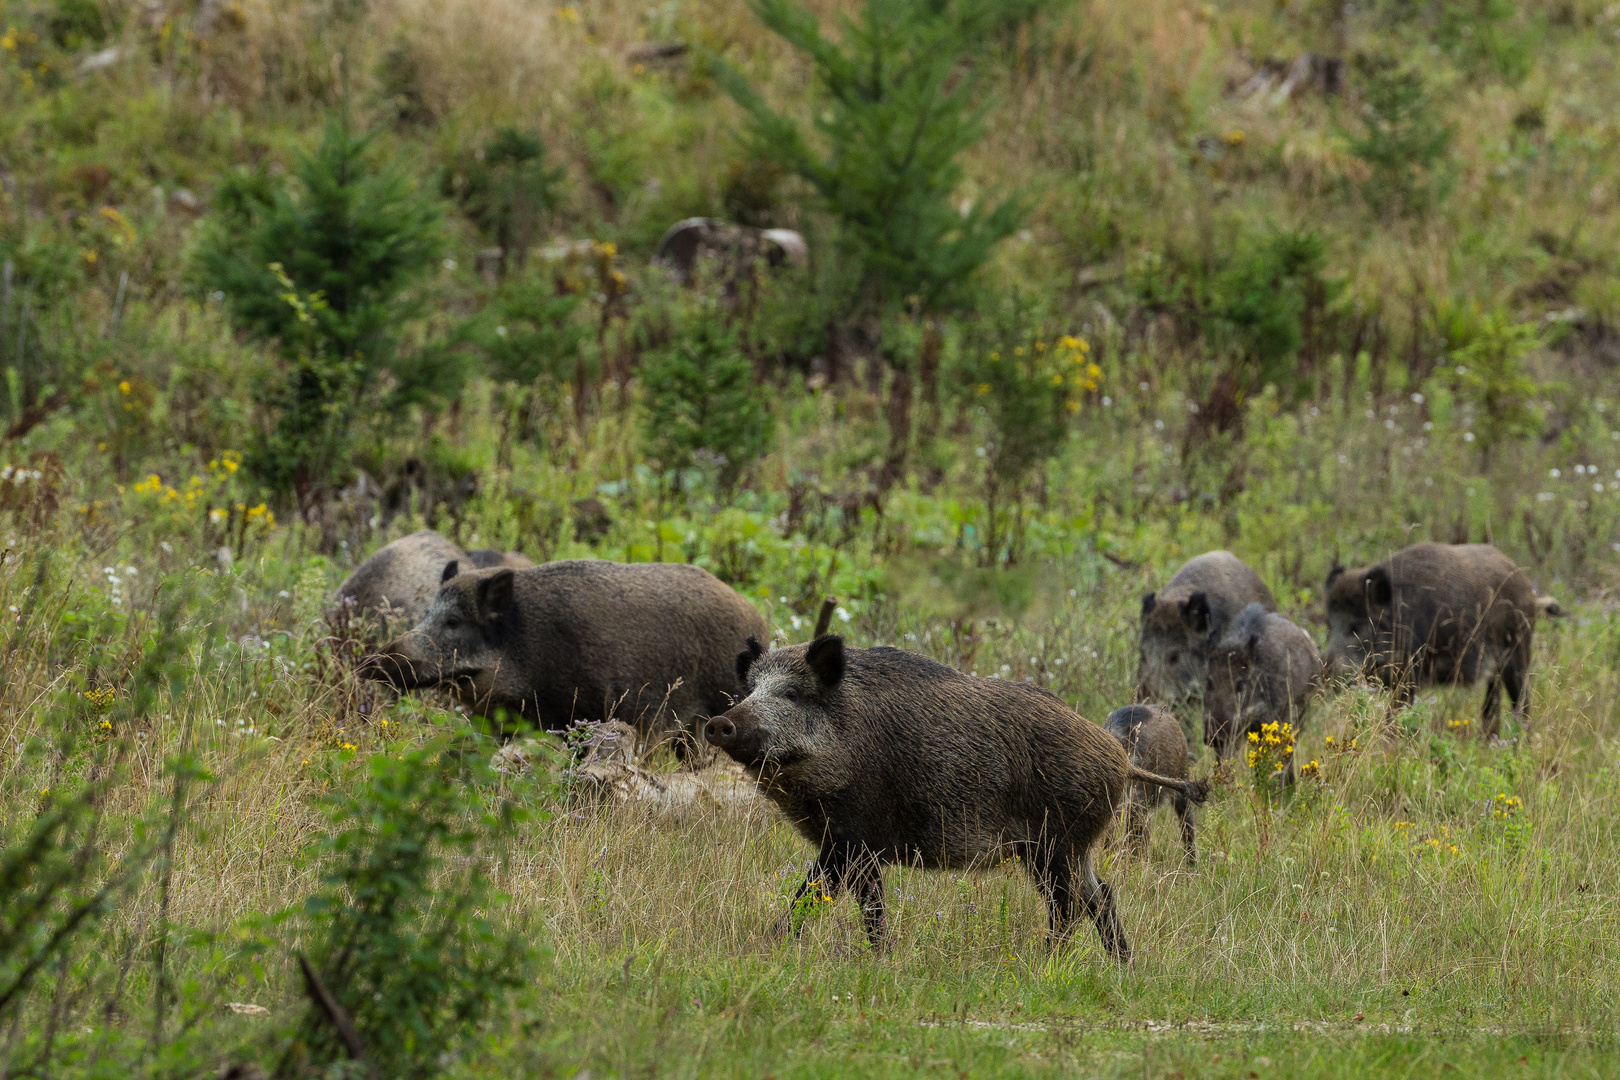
{"points": [[652, 644], [884, 756], [1153, 740], [399, 582], [1178, 623], [1438, 613], [1262, 670]]}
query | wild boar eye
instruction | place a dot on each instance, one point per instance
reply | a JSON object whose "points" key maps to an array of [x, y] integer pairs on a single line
{"points": [[1174, 657], [452, 624], [1238, 686], [1209, 682], [791, 693]]}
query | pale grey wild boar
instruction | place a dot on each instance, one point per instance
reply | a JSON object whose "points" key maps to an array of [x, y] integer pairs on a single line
{"points": [[651, 644], [1178, 623], [1438, 613], [1263, 670], [883, 756], [1152, 738], [398, 583]]}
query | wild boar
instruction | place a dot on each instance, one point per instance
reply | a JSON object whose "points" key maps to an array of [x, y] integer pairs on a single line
{"points": [[1152, 738], [1179, 620], [1438, 614], [883, 756], [651, 644], [1263, 670], [398, 583]]}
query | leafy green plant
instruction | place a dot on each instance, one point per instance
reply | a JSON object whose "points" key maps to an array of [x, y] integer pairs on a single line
{"points": [[1262, 301], [1027, 391], [699, 404], [510, 191], [900, 87], [1487, 350], [1402, 140], [529, 332], [67, 863], [406, 959], [324, 270]]}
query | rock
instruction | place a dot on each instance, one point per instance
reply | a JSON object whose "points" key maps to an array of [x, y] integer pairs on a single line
{"points": [[734, 247], [97, 61]]}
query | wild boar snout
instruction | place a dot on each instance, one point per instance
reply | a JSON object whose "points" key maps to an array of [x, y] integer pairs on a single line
{"points": [[720, 732], [738, 732]]}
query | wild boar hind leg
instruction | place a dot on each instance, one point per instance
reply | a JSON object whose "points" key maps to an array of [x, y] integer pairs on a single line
{"points": [[1068, 881], [1189, 831]]}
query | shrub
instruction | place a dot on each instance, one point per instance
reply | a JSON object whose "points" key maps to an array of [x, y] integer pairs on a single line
{"points": [[509, 192], [1487, 349], [323, 271], [75, 854], [529, 332], [1026, 390], [1261, 303], [699, 404], [900, 88], [1402, 140], [403, 927]]}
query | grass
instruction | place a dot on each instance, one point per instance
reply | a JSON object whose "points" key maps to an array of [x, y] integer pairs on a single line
{"points": [[1384, 919]]}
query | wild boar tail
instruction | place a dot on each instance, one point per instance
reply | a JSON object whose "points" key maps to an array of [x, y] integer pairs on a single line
{"points": [[1196, 790], [1547, 607]]}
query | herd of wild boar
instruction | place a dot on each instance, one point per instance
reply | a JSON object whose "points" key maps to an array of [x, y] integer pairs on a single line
{"points": [[880, 755]]}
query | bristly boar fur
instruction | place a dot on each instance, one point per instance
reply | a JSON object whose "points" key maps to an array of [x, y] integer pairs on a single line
{"points": [[398, 583], [884, 756], [1263, 670], [1152, 738], [651, 644], [1179, 622], [1438, 613]]}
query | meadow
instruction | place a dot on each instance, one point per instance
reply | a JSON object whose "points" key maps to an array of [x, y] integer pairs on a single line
{"points": [[1309, 325]]}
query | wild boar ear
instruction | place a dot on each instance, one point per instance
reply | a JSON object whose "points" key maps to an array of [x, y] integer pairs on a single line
{"points": [[451, 569], [1149, 602], [1334, 574], [1380, 590], [752, 650], [495, 595], [1195, 613], [826, 658]]}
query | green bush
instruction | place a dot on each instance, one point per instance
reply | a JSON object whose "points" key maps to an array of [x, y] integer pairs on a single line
{"points": [[403, 927], [1026, 391], [324, 269], [899, 112], [509, 192], [1487, 350], [1402, 139], [699, 404]]}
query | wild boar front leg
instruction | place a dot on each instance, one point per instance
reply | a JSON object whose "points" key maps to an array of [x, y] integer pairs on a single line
{"points": [[825, 878]]}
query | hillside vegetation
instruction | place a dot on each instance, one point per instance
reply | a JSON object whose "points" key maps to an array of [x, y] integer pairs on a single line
{"points": [[1091, 288]]}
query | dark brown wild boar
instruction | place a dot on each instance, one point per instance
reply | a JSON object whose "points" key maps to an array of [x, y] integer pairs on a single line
{"points": [[884, 756], [1438, 613], [1179, 620], [652, 644], [398, 583], [1263, 670], [1151, 737]]}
